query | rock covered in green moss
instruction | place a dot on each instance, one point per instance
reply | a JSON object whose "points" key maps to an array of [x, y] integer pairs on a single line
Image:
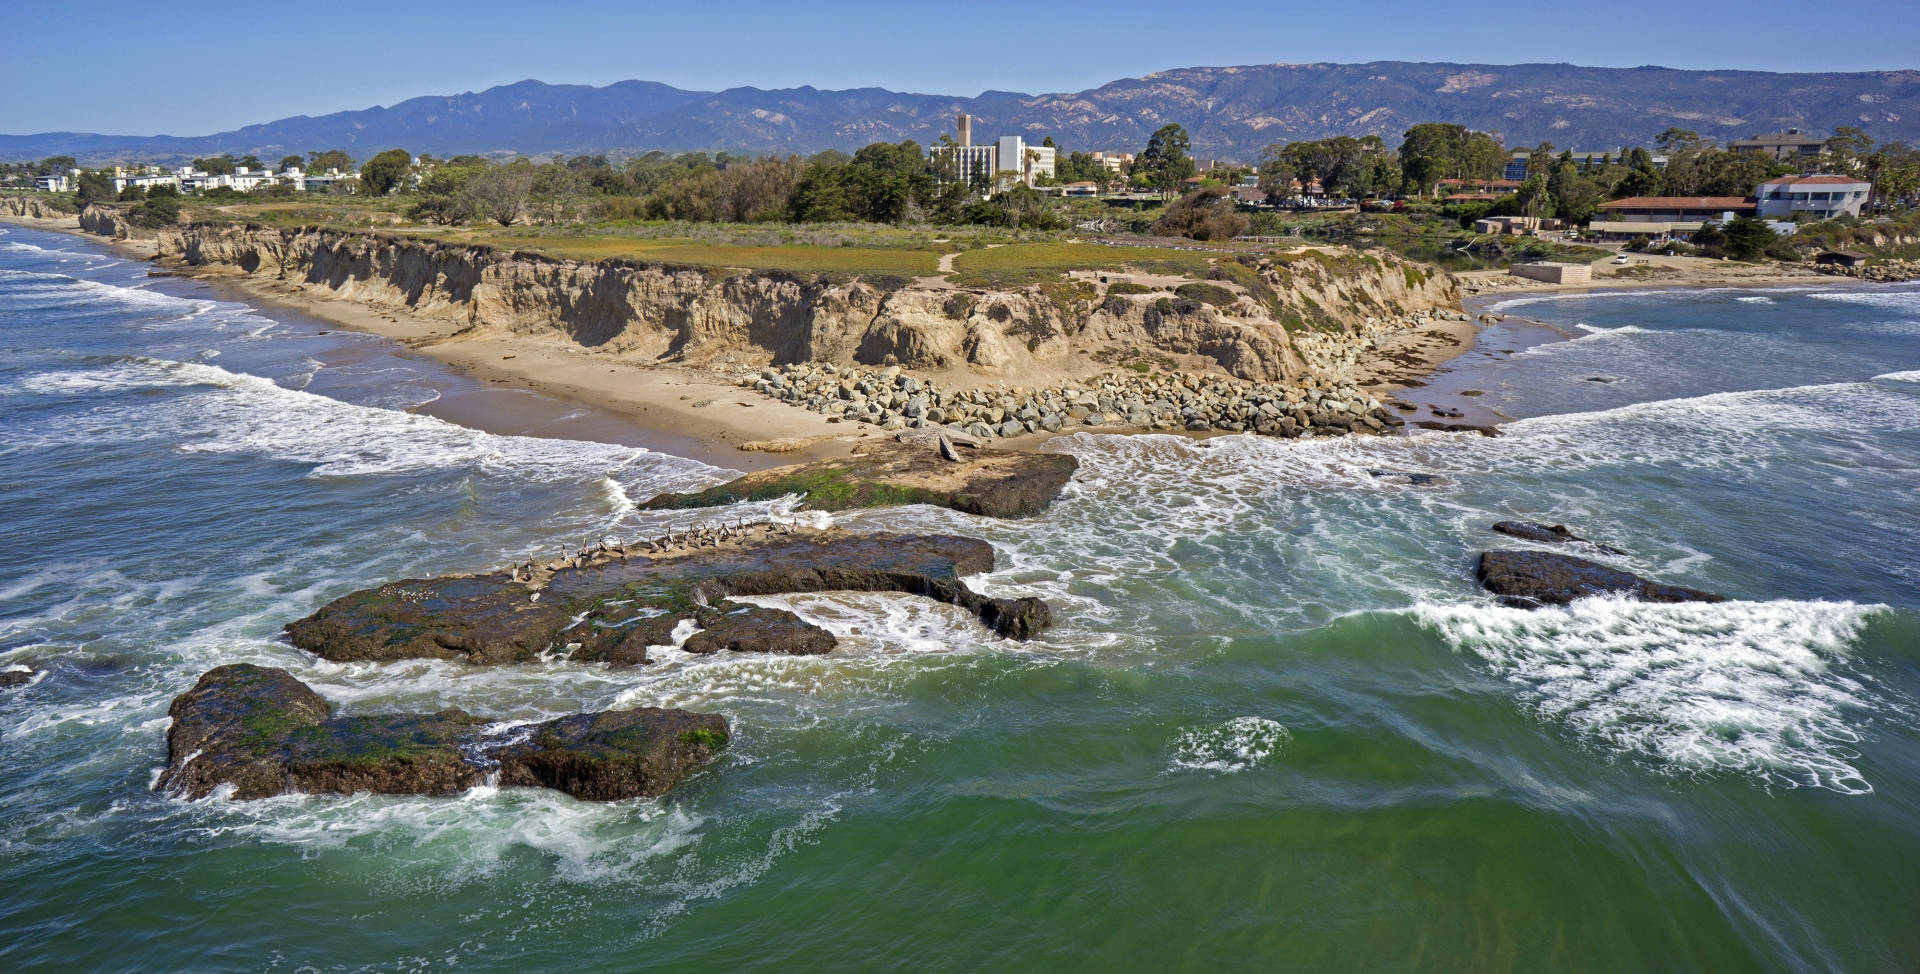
{"points": [[992, 483], [266, 733]]}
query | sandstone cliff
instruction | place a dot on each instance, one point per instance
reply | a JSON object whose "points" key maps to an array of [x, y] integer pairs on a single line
{"points": [[33, 208], [1251, 319]]}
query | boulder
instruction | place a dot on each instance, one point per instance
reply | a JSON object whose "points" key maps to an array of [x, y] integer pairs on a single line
{"points": [[17, 675], [265, 733], [745, 628], [1549, 534], [1531, 579]]}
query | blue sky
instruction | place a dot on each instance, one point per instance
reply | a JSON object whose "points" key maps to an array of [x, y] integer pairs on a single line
{"points": [[188, 70]]}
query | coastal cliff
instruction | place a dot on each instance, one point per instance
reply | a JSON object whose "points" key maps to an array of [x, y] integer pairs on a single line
{"points": [[35, 209], [1257, 318]]}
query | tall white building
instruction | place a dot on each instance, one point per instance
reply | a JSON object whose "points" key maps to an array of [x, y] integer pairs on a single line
{"points": [[983, 166]]}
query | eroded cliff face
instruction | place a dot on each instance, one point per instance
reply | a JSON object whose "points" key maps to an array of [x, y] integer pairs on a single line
{"points": [[33, 209], [702, 316]]}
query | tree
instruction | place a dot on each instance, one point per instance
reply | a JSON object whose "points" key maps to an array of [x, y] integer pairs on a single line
{"points": [[252, 162], [93, 186], [1748, 237], [1277, 172], [443, 194], [757, 191], [1432, 151], [1848, 147], [1165, 161], [220, 165], [820, 195], [500, 194], [289, 163], [161, 209], [383, 173], [558, 190], [330, 159]]}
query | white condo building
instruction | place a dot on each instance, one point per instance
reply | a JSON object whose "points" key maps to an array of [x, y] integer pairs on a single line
{"points": [[1820, 197]]}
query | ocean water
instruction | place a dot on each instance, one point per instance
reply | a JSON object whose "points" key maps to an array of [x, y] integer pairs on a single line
{"points": [[1277, 728]]}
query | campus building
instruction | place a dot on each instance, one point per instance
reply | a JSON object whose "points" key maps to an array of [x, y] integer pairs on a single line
{"points": [[982, 165]]}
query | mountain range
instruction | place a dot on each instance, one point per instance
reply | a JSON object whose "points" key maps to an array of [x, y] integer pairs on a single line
{"points": [[1230, 112]]}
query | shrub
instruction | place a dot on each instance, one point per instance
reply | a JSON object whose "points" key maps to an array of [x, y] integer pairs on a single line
{"points": [[1205, 214], [1212, 294]]}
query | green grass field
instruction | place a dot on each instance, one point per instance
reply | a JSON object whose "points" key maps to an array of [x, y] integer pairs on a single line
{"points": [[1017, 265], [795, 258]]}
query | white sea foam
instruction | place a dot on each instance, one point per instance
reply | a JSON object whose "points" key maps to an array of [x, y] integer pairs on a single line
{"points": [[238, 413], [1892, 300], [1755, 299], [1237, 745], [1754, 688], [469, 836]]}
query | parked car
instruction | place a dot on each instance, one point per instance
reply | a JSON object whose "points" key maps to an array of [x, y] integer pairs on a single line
{"points": [[1620, 258]]}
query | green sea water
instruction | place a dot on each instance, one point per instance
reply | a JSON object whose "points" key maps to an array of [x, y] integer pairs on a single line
{"points": [[1276, 728]]}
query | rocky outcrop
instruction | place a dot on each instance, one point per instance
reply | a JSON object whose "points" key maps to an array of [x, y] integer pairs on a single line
{"points": [[701, 316], [612, 605], [111, 221], [994, 483], [1885, 271], [1550, 534], [35, 208], [266, 733], [17, 675], [1532, 579]]}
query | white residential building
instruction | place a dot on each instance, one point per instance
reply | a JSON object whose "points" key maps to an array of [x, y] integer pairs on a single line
{"points": [[1821, 197], [55, 183]]}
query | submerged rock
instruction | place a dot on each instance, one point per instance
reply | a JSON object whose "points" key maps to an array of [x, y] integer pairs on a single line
{"points": [[1549, 534], [611, 610], [994, 483], [1531, 579], [1428, 424], [16, 676], [266, 733]]}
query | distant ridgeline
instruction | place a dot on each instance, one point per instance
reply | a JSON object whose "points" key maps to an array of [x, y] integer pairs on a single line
{"points": [[1231, 112]]}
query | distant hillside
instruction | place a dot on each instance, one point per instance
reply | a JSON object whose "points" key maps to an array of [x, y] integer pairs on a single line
{"points": [[1231, 112]]}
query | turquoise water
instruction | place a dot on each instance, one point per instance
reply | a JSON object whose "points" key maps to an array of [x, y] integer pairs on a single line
{"points": [[1278, 727]]}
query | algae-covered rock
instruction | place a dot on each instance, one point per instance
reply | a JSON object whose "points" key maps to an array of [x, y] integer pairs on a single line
{"points": [[1531, 579], [265, 733], [611, 609], [993, 483]]}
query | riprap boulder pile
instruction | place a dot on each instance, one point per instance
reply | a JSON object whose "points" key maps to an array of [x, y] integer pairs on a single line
{"points": [[1159, 401]]}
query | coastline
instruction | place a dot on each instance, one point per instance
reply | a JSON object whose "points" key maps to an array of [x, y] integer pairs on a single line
{"points": [[683, 410]]}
